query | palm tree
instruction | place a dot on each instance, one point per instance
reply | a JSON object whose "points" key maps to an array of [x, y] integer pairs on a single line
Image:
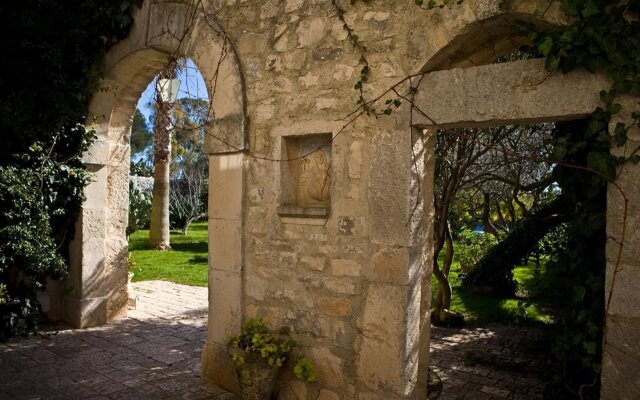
{"points": [[159, 232]]}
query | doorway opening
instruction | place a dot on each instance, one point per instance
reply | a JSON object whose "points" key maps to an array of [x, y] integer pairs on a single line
{"points": [[168, 161], [519, 258]]}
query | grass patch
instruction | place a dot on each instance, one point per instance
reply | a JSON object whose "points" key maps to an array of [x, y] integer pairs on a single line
{"points": [[481, 309], [185, 263]]}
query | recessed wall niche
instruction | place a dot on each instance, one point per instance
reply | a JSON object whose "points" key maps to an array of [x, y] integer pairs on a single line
{"points": [[306, 179]]}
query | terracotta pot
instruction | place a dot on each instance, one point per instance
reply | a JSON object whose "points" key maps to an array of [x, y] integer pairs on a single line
{"points": [[256, 380]]}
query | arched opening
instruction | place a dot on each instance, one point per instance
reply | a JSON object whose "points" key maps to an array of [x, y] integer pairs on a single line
{"points": [[485, 40], [481, 95], [99, 261], [170, 282]]}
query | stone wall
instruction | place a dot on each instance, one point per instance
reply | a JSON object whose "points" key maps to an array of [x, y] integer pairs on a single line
{"points": [[142, 183], [348, 280]]}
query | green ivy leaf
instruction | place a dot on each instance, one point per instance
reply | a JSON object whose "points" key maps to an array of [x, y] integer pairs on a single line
{"points": [[546, 46], [590, 9], [602, 163]]}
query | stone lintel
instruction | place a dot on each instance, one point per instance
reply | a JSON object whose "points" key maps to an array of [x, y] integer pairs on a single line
{"points": [[498, 94]]}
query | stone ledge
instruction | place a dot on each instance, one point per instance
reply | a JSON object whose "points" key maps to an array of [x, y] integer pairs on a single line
{"points": [[303, 212]]}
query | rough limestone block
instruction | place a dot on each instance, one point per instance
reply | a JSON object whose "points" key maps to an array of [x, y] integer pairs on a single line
{"points": [[225, 244], [225, 295], [98, 154], [389, 189], [625, 300], [218, 367], [330, 368], [389, 265], [341, 267], [381, 351], [335, 306], [86, 312]]}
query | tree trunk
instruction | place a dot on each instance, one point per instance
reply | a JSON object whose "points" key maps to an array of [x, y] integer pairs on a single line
{"points": [[159, 234], [441, 308], [446, 268], [486, 215], [494, 272]]}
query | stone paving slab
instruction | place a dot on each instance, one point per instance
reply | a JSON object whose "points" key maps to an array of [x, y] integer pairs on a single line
{"points": [[152, 354], [155, 354]]}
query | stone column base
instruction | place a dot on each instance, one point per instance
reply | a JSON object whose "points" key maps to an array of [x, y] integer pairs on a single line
{"points": [[218, 368], [85, 313]]}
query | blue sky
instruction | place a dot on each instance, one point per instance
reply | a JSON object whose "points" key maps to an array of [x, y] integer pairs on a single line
{"points": [[191, 85]]}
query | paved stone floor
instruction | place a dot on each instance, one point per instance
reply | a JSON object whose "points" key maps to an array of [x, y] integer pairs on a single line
{"points": [[467, 359], [152, 354], [155, 354]]}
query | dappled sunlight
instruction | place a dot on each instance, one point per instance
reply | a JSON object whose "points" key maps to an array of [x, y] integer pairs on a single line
{"points": [[495, 361]]}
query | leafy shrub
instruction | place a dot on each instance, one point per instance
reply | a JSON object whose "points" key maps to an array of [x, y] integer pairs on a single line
{"points": [[257, 344], [28, 252], [140, 168], [472, 246], [39, 199]]}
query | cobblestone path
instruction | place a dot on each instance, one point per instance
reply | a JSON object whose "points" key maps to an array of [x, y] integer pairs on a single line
{"points": [[155, 354], [514, 380]]}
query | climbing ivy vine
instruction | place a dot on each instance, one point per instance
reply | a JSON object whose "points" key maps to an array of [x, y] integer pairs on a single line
{"points": [[601, 36]]}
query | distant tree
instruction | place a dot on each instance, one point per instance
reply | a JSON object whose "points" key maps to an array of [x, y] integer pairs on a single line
{"points": [[189, 188], [457, 152], [141, 137], [188, 195], [480, 173]]}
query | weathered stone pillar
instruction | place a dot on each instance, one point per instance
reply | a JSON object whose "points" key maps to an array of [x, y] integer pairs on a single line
{"points": [[620, 360], [98, 252], [392, 349], [225, 265]]}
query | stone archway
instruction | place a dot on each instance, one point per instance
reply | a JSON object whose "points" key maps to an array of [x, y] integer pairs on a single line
{"points": [[524, 92], [98, 261], [471, 93]]}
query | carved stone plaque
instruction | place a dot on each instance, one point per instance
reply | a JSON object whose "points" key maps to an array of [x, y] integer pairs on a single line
{"points": [[306, 181], [314, 187]]}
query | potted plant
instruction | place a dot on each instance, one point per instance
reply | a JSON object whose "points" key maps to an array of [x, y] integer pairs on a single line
{"points": [[258, 355]]}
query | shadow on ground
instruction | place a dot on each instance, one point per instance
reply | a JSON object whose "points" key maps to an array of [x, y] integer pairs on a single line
{"points": [[128, 359], [487, 363]]}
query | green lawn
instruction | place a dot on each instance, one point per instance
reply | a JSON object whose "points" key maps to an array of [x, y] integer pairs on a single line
{"points": [[185, 263], [481, 309]]}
